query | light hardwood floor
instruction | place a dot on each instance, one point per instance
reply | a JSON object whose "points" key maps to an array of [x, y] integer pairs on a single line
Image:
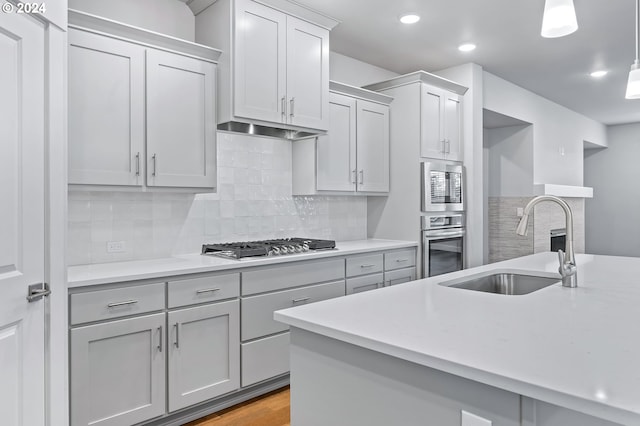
{"points": [[271, 409]]}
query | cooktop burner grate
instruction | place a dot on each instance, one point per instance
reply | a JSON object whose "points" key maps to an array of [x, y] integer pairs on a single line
{"points": [[272, 247]]}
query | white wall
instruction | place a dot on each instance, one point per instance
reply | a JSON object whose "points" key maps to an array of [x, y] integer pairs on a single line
{"points": [[510, 167], [612, 214], [471, 75], [354, 72], [558, 133], [169, 17]]}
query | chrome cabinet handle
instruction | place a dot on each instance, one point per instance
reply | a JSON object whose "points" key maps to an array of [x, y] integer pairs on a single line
{"points": [[126, 302], [361, 177], [370, 265], [444, 146], [153, 158], [283, 105], [207, 290], [138, 164], [292, 104], [355, 176], [302, 299], [401, 260], [448, 146], [160, 339], [177, 341]]}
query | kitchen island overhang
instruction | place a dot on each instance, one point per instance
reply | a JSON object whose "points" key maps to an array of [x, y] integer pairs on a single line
{"points": [[571, 348]]}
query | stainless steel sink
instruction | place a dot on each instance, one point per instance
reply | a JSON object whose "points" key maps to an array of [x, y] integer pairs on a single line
{"points": [[508, 283]]}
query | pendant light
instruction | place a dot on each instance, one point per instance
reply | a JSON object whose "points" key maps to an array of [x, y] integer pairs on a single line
{"points": [[559, 18], [633, 86]]}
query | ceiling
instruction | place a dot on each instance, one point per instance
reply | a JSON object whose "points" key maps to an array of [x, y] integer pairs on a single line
{"points": [[507, 33]]}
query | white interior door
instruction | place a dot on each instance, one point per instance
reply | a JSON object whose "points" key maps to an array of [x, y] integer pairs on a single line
{"points": [[22, 384]]}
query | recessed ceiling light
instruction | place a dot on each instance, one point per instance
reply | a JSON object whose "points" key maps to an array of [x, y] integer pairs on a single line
{"points": [[468, 47], [409, 18], [598, 74]]}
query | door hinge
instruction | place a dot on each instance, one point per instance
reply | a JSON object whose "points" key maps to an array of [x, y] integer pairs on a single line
{"points": [[38, 291]]}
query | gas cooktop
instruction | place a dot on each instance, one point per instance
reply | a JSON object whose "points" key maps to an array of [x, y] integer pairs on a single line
{"points": [[274, 247]]}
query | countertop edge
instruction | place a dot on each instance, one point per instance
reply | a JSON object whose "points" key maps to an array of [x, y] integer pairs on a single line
{"points": [[595, 408], [107, 273]]}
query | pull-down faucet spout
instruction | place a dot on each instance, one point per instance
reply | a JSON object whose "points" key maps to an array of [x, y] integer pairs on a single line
{"points": [[567, 269]]}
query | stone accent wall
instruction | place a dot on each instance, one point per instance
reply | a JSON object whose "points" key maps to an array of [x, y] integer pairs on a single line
{"points": [[505, 244]]}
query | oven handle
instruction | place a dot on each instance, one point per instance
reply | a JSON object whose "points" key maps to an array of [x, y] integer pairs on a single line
{"points": [[433, 235]]}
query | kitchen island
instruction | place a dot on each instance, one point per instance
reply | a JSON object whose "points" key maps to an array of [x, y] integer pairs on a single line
{"points": [[427, 354]]}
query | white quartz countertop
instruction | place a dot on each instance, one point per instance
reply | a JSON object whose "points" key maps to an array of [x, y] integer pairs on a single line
{"points": [[105, 273], [577, 348]]}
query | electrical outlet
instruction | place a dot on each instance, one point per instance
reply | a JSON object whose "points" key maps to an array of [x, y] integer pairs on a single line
{"points": [[116, 246], [519, 211]]}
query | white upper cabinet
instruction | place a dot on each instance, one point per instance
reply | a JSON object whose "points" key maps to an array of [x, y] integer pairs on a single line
{"points": [[274, 69], [373, 147], [441, 124], [336, 152], [139, 115], [260, 83], [307, 74], [180, 126], [106, 110], [354, 155]]}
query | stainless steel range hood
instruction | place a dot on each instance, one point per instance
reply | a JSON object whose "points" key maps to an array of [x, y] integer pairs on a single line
{"points": [[266, 131]]}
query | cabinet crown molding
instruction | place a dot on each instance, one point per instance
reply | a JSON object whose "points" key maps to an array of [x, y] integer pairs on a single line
{"points": [[358, 92], [290, 7], [419, 77], [97, 24]]}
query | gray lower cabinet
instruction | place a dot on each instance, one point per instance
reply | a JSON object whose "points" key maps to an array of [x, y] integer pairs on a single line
{"points": [[143, 351], [118, 371], [400, 276], [365, 283], [203, 353]]}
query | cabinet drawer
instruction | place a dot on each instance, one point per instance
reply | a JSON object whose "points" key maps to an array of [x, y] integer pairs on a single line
{"points": [[117, 302], [203, 289], [281, 277], [368, 282], [257, 311], [399, 276], [399, 259], [265, 358], [365, 264]]}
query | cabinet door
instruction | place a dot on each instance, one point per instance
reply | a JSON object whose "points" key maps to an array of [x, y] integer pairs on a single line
{"points": [[181, 145], [307, 74], [432, 142], [373, 146], [106, 110], [365, 283], [260, 62], [204, 353], [399, 276], [336, 152], [118, 372], [453, 126]]}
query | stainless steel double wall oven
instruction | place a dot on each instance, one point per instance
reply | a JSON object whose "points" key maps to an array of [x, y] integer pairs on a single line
{"points": [[443, 217]]}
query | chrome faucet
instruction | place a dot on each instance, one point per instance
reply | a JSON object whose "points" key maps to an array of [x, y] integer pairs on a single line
{"points": [[568, 269]]}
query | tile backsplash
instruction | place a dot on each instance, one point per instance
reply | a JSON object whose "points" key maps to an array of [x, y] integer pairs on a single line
{"points": [[253, 201]]}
